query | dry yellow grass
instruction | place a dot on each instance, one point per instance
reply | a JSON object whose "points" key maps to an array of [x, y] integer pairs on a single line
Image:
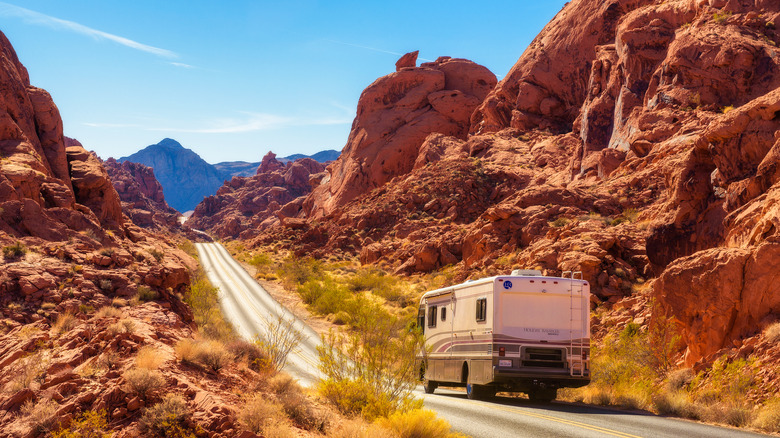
{"points": [[209, 353], [108, 312], [260, 415], [772, 332], [65, 322], [149, 358]]}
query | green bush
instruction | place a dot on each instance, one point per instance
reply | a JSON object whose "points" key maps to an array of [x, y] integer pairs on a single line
{"points": [[14, 251], [146, 293], [376, 375], [297, 271], [167, 419], [90, 424]]}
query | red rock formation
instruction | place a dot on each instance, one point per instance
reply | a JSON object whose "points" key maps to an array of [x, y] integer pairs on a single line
{"points": [[244, 206], [141, 195], [395, 114], [633, 139]]}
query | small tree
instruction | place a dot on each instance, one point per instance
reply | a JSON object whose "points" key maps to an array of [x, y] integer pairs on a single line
{"points": [[376, 363], [280, 339]]}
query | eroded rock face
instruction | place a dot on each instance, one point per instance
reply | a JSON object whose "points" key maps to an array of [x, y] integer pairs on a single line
{"points": [[244, 206], [141, 195], [395, 115], [633, 140]]}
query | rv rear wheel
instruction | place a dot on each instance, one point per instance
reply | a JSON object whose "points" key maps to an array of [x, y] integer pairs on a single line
{"points": [[430, 386], [543, 395], [479, 392]]}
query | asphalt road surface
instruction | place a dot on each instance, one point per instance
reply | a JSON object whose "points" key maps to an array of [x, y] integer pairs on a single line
{"points": [[248, 306]]}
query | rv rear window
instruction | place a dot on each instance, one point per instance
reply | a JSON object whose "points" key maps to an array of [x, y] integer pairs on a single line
{"points": [[432, 316], [443, 313], [481, 309]]}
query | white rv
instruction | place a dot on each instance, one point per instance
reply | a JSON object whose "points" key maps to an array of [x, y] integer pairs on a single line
{"points": [[519, 333]]}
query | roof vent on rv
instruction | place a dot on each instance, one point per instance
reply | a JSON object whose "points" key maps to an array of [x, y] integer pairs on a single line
{"points": [[527, 273]]}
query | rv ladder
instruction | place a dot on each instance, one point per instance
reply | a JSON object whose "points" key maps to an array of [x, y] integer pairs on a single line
{"points": [[577, 324]]}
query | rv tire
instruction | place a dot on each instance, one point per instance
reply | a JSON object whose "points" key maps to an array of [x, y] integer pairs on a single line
{"points": [[479, 392], [543, 395], [429, 386]]}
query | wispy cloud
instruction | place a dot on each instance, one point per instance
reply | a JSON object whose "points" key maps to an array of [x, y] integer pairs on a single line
{"points": [[250, 123], [182, 65], [8, 10], [374, 49]]}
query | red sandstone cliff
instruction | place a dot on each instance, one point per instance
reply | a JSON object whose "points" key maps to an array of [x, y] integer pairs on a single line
{"points": [[634, 139], [244, 206]]}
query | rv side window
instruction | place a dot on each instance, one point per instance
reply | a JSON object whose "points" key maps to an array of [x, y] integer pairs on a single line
{"points": [[481, 309], [432, 316], [443, 313]]}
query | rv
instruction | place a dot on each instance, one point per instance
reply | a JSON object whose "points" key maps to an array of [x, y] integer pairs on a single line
{"points": [[513, 333]]}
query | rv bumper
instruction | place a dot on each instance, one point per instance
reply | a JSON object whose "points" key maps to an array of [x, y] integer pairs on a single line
{"points": [[521, 380]]}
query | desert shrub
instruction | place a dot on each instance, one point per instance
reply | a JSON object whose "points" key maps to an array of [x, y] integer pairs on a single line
{"points": [[32, 369], [157, 254], [280, 338], [418, 423], [768, 416], [678, 379], [260, 415], [109, 360], [40, 416], [146, 293], [559, 222], [108, 312], [772, 332], [90, 424], [376, 281], [14, 251], [356, 428], [108, 252], [106, 285], [726, 380], [149, 358], [188, 247], [256, 358], [676, 403], [208, 353], [48, 306], [297, 271], [733, 413], [124, 325], [143, 381], [167, 419], [295, 404], [202, 297], [376, 375], [86, 309], [65, 323], [119, 302]]}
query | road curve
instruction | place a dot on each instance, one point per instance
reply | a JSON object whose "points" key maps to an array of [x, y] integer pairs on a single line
{"points": [[247, 306]]}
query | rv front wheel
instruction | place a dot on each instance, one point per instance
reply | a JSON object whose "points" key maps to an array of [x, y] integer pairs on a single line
{"points": [[430, 386]]}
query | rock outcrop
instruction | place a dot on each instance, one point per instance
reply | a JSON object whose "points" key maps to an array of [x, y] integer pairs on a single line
{"points": [[634, 140], [395, 114], [245, 206], [141, 195]]}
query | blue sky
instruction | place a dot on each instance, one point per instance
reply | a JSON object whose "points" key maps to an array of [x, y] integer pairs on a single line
{"points": [[233, 80]]}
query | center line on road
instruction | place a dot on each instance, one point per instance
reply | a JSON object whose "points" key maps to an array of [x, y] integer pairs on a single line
{"points": [[564, 421]]}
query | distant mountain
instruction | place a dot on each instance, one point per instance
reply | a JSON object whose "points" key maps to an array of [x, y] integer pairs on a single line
{"points": [[185, 177], [229, 169], [320, 157]]}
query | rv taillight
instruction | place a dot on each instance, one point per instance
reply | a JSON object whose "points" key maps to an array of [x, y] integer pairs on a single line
{"points": [[501, 351], [584, 355]]}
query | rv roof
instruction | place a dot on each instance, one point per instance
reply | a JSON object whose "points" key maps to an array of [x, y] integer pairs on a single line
{"points": [[469, 283]]}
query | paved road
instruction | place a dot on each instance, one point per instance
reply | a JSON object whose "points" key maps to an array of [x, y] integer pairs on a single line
{"points": [[249, 308], [246, 304]]}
